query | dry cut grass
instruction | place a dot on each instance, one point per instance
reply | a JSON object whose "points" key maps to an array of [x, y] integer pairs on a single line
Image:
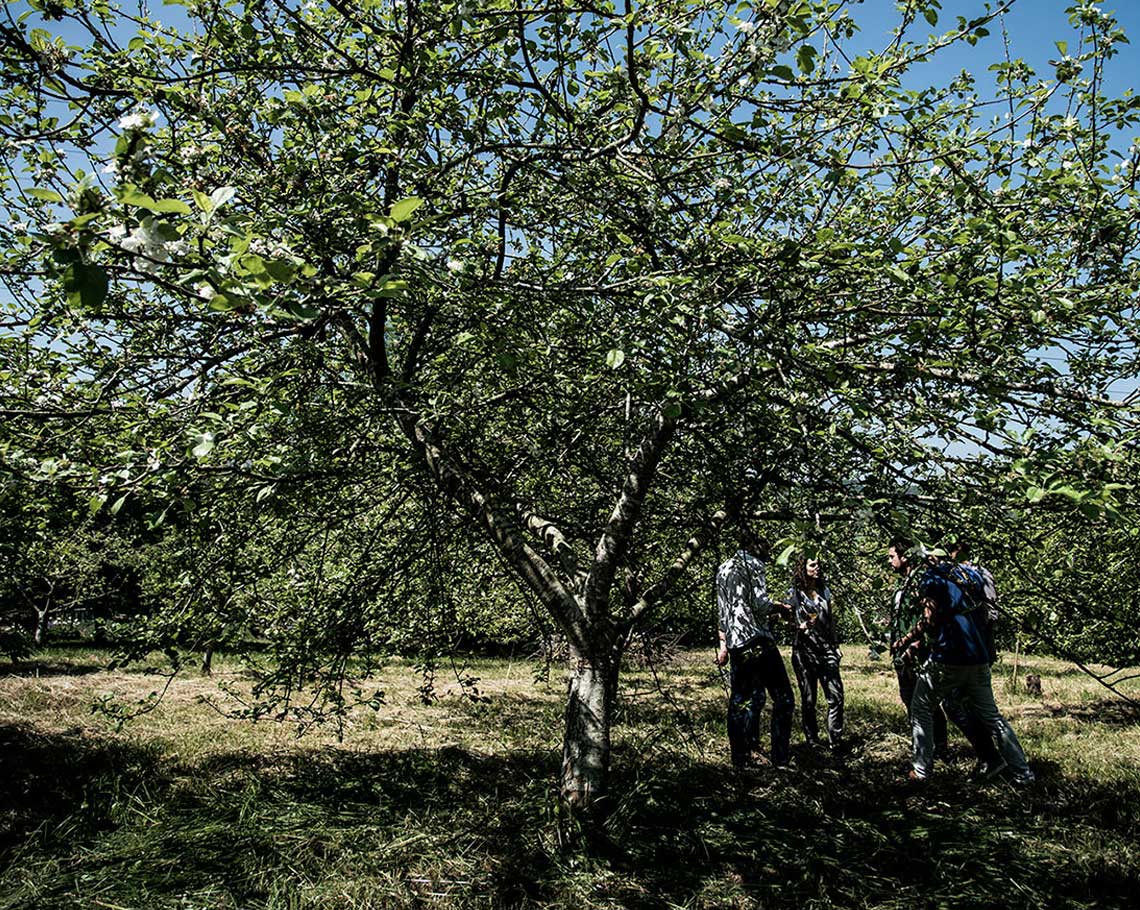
{"points": [[450, 804]]}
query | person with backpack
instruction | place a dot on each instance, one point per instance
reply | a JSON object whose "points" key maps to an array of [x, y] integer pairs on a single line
{"points": [[958, 663], [959, 552], [815, 650], [905, 613], [747, 644]]}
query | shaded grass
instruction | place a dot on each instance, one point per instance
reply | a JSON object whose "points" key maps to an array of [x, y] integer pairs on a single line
{"points": [[451, 805]]}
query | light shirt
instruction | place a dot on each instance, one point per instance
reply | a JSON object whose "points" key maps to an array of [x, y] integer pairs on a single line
{"points": [[742, 600]]}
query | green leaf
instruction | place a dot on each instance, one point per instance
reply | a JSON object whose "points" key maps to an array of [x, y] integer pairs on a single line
{"points": [[805, 58], [170, 207], [786, 554], [133, 196], [85, 285], [615, 358], [403, 209], [46, 195], [281, 269], [222, 304], [221, 196]]}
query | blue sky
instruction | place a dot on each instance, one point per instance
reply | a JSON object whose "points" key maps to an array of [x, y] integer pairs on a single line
{"points": [[1033, 27]]}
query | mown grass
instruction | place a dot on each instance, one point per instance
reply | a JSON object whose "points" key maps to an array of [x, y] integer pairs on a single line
{"points": [[451, 804]]}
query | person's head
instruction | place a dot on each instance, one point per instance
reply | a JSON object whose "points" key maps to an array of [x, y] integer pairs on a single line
{"points": [[958, 549], [756, 544], [808, 572], [898, 554]]}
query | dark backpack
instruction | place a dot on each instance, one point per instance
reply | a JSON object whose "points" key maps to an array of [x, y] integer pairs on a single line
{"points": [[967, 579]]}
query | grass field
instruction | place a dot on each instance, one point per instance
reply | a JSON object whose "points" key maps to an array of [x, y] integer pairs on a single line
{"points": [[450, 804]]}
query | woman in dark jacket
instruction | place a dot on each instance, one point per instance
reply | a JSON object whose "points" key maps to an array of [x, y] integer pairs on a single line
{"points": [[815, 649]]}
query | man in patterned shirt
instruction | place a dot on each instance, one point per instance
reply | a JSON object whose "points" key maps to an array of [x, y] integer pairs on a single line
{"points": [[748, 646]]}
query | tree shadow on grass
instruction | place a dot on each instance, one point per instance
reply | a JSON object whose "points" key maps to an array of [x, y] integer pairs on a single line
{"points": [[1112, 712], [124, 824]]}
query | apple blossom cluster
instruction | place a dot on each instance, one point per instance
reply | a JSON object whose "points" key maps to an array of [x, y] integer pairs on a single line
{"points": [[150, 243]]}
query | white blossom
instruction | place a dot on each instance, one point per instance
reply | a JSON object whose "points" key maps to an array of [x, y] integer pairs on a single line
{"points": [[455, 265], [140, 119]]}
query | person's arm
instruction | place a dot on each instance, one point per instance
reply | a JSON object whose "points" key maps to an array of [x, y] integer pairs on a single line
{"points": [[929, 620], [722, 650], [722, 604], [760, 593]]}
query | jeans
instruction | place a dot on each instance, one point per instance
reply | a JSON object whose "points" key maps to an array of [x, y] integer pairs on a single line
{"points": [[753, 671], [972, 686], [814, 670], [949, 706]]}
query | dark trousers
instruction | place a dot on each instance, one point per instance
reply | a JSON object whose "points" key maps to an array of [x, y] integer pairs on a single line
{"points": [[814, 670], [976, 734], [752, 672]]}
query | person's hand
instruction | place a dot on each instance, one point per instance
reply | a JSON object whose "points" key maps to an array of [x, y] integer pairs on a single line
{"points": [[722, 656], [803, 626]]}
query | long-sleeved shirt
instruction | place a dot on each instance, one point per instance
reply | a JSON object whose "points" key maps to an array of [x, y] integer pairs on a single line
{"points": [[742, 600], [819, 636]]}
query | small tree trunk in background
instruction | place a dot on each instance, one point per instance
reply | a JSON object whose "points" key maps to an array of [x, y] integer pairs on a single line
{"points": [[207, 662], [1016, 659], [41, 624]]}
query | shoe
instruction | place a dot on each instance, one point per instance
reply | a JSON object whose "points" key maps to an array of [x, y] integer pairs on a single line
{"points": [[987, 770], [1024, 780], [914, 779]]}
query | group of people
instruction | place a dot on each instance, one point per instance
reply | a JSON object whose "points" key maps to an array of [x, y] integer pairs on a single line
{"points": [[941, 645]]}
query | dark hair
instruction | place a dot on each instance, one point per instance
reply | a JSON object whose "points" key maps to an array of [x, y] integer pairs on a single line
{"points": [[960, 547], [799, 574], [756, 544], [902, 545]]}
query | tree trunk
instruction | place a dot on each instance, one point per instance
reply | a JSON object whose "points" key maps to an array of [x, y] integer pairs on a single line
{"points": [[589, 714], [41, 625]]}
